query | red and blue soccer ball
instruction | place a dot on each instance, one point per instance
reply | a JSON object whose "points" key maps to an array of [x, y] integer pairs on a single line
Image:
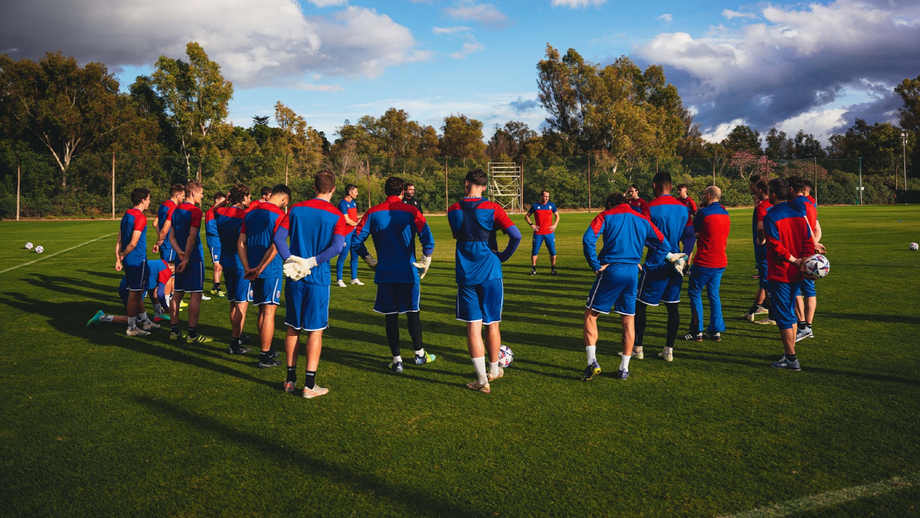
{"points": [[505, 356], [817, 266]]}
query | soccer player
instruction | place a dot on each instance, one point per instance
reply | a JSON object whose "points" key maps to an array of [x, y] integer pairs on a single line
{"points": [[131, 256], [186, 241], [349, 208], [229, 220], [763, 205], [317, 231], [712, 226], [808, 188], [264, 194], [546, 219], [480, 290], [176, 196], [158, 284], [213, 240], [260, 259], [625, 233], [410, 199], [806, 300], [688, 238], [393, 226], [638, 204], [789, 242], [662, 273]]}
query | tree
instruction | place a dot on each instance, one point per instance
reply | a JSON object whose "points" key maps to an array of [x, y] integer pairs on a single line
{"points": [[301, 142], [195, 97], [510, 140], [879, 143], [748, 164], [909, 115], [779, 146], [461, 137], [743, 138], [805, 145], [66, 108]]}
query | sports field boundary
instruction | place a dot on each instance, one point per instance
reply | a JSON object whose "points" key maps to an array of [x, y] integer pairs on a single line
{"points": [[58, 253], [831, 498]]}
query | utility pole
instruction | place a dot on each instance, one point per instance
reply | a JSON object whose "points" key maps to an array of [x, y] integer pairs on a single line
{"points": [[904, 154]]}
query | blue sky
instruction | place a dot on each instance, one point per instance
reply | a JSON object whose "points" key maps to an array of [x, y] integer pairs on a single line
{"points": [[812, 66]]}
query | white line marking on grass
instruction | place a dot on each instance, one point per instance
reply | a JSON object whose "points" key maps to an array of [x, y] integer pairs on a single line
{"points": [[832, 498], [56, 253]]}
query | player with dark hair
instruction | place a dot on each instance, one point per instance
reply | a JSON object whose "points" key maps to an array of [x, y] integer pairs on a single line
{"points": [[186, 241], [410, 199], [163, 246], [264, 194], [474, 222], [806, 300], [761, 304], [688, 237], [158, 284], [544, 230], [712, 225], [625, 233], [213, 241], [317, 231], [638, 204], [229, 220], [789, 242], [131, 256], [393, 226], [662, 273], [808, 188], [260, 260], [349, 208]]}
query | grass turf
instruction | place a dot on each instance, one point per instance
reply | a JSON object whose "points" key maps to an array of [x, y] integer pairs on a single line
{"points": [[96, 423]]}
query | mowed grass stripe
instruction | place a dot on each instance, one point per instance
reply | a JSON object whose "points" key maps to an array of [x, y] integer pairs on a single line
{"points": [[57, 253]]}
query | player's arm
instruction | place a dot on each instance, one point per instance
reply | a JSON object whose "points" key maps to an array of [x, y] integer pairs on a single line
{"points": [[776, 245], [556, 218], [162, 233], [270, 255], [118, 266], [241, 251], [362, 232], [589, 243], [508, 227], [536, 228], [761, 235], [135, 237], [189, 244]]}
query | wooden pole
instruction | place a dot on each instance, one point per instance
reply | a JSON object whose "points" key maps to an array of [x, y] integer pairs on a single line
{"points": [[815, 193], [860, 182], [713, 170], [446, 194], [589, 183], [18, 180], [199, 168], [367, 163], [521, 201], [113, 184], [286, 169]]}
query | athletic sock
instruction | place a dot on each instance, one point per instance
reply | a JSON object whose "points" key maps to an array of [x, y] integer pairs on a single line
{"points": [[310, 380], [624, 362], [592, 353], [479, 364], [790, 357], [158, 309], [106, 318], [132, 322], [673, 324], [292, 374], [419, 353], [392, 328], [397, 359], [801, 325], [668, 350], [235, 343], [265, 356], [217, 287], [142, 317], [175, 328], [192, 332], [640, 319], [493, 368]]}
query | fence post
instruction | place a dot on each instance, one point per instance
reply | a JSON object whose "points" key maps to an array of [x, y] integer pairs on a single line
{"points": [[713, 169], [18, 179], [367, 162], [113, 184], [589, 183], [286, 169], [446, 199], [860, 181], [816, 180]]}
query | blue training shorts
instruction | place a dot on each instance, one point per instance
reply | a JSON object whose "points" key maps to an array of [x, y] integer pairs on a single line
{"points": [[782, 303], [238, 287], [215, 253], [481, 302], [168, 254], [266, 291], [760, 257], [397, 298], [123, 293], [807, 288], [192, 279], [136, 276], [615, 288], [306, 306], [660, 283], [539, 239]]}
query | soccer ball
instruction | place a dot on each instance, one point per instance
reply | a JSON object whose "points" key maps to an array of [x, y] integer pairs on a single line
{"points": [[505, 356], [818, 266], [39, 249], [29, 245], [913, 246]]}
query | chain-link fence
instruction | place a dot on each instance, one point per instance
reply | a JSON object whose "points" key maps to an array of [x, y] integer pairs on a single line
{"points": [[98, 185]]}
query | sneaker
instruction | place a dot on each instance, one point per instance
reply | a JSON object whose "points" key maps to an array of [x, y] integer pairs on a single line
{"points": [[290, 386], [176, 336], [200, 339], [668, 357], [216, 292], [761, 310], [715, 337], [275, 354], [493, 377], [341, 284], [162, 317], [149, 326], [422, 360], [234, 350], [553, 272], [696, 337], [784, 363], [638, 353], [622, 375], [136, 332], [590, 371], [95, 320], [481, 387], [803, 334], [268, 364], [316, 391], [533, 272], [204, 297], [357, 282], [183, 305], [395, 367], [245, 339], [221, 294], [749, 317], [766, 322], [755, 276]]}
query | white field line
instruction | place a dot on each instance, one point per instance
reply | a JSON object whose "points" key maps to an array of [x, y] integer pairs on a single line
{"points": [[56, 253], [832, 498]]}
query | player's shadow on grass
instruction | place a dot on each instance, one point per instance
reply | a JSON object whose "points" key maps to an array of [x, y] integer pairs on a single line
{"points": [[890, 319], [108, 275], [71, 286], [408, 498]]}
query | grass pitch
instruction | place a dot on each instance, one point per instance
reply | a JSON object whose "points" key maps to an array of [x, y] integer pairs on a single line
{"points": [[96, 423]]}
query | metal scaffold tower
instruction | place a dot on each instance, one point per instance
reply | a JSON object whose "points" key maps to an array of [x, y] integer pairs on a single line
{"points": [[506, 183]]}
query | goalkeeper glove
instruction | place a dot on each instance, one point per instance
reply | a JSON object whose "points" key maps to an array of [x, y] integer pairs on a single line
{"points": [[292, 268], [371, 262], [423, 266]]}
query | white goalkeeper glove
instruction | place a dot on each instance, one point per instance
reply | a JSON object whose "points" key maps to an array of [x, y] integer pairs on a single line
{"points": [[681, 266], [423, 266], [293, 268], [371, 262], [673, 258]]}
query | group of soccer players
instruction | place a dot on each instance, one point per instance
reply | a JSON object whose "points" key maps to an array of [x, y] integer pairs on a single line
{"points": [[257, 243]]}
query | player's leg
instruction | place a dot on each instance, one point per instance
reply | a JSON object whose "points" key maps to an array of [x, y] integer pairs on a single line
{"points": [[294, 297], [551, 248], [392, 330], [218, 270], [695, 292], [195, 279], [354, 269], [174, 305], [491, 295], [476, 348], [713, 287], [782, 294], [629, 337], [534, 252], [290, 351], [688, 240], [809, 304], [267, 294], [340, 266], [237, 322], [640, 323], [410, 298], [316, 319]]}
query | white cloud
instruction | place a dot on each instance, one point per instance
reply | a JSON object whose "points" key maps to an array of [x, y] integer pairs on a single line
{"points": [[577, 3], [269, 42], [721, 131], [729, 14], [450, 30], [466, 34], [327, 3], [820, 123], [485, 14], [667, 18], [468, 48]]}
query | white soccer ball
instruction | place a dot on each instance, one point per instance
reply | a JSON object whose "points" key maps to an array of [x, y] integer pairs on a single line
{"points": [[818, 266], [913, 246], [505, 356], [39, 249], [29, 245]]}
